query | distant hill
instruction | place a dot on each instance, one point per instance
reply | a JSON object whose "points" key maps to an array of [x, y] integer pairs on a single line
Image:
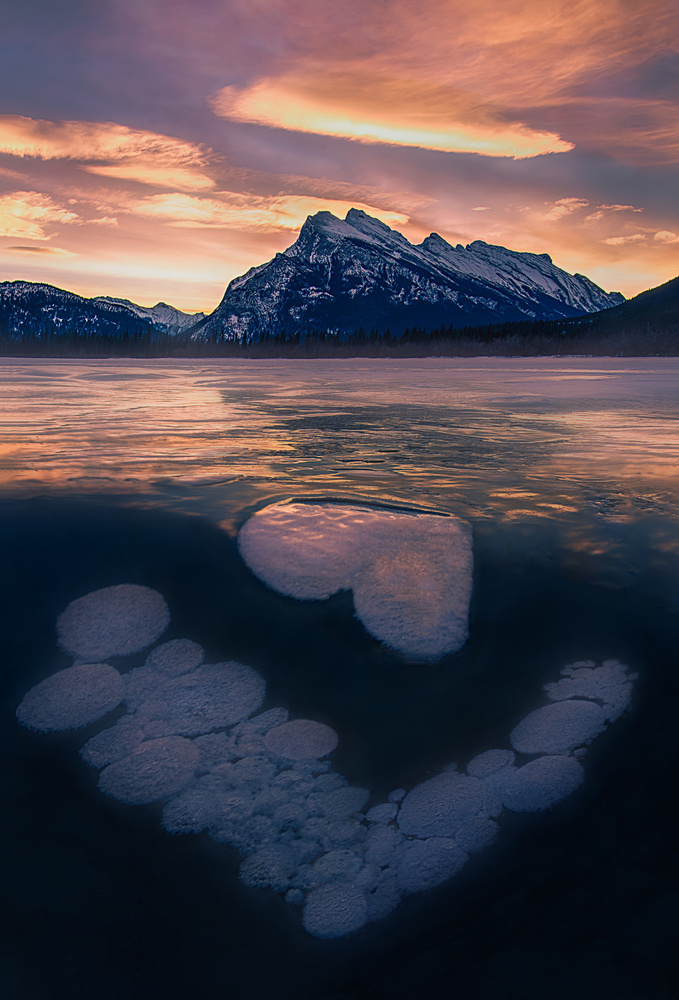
{"points": [[42, 319], [343, 275], [163, 317]]}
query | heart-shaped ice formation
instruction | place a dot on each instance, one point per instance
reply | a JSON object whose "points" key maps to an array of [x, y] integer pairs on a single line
{"points": [[410, 572], [262, 784]]}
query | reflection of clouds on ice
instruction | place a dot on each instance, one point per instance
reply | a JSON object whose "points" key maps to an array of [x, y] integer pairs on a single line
{"points": [[262, 783], [410, 573]]}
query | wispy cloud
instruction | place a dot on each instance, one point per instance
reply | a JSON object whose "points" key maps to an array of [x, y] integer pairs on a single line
{"points": [[666, 236], [395, 111], [109, 149], [46, 251], [26, 214], [615, 241], [243, 211], [565, 206]]}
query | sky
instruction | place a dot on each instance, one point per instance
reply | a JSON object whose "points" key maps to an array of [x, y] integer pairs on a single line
{"points": [[156, 149]]}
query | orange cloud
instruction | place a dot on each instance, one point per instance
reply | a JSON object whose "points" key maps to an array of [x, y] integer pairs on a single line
{"points": [[127, 154], [25, 214], [245, 211], [383, 110], [517, 78]]}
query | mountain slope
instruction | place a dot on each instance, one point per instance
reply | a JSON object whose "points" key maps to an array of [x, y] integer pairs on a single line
{"points": [[29, 310], [162, 316], [344, 274]]}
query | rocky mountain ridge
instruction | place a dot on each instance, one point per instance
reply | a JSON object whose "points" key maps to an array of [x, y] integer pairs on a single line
{"points": [[342, 275]]}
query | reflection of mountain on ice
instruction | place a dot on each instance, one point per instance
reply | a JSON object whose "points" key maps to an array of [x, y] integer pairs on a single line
{"points": [[262, 782]]}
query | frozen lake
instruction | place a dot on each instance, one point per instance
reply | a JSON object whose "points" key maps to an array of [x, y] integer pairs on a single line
{"points": [[567, 472]]}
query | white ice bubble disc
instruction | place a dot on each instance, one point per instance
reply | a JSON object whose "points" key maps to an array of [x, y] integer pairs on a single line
{"points": [[301, 739], [155, 770], [411, 573], [559, 728], [72, 698], [450, 805], [424, 864], [611, 684], [490, 762], [115, 621], [209, 697], [334, 910], [179, 656], [539, 784]]}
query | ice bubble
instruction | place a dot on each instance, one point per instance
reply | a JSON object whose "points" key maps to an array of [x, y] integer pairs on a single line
{"points": [[485, 764], [383, 813], [300, 739], [338, 864], [270, 867], [193, 810], [112, 744], [610, 684], [210, 697], [154, 770], [176, 657], [115, 621], [333, 910], [380, 844], [448, 805], [384, 896], [559, 728], [339, 803], [411, 573], [424, 864], [539, 784], [72, 698]]}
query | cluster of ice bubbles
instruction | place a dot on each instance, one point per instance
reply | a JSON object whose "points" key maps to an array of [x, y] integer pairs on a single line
{"points": [[192, 738], [410, 572]]}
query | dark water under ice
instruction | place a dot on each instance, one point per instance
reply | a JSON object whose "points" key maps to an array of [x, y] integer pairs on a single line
{"points": [[568, 473]]}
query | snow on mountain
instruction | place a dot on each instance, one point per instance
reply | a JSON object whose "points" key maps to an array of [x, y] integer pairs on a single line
{"points": [[341, 275], [162, 316], [32, 309]]}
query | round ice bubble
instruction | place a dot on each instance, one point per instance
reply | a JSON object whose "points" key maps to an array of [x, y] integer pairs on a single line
{"points": [[446, 806], [155, 770], [115, 621], [301, 739], [559, 728], [333, 910], [539, 784], [179, 656], [212, 696], [72, 698], [424, 864]]}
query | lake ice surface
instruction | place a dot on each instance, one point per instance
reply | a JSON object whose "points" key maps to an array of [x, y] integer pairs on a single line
{"points": [[566, 470]]}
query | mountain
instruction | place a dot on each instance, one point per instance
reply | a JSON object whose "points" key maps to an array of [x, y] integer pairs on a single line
{"points": [[342, 275], [38, 312], [32, 314], [162, 316]]}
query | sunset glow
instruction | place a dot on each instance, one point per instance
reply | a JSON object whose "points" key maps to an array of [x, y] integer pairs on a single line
{"points": [[163, 139]]}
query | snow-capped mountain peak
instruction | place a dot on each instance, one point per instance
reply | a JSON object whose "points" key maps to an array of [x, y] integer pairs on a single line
{"points": [[343, 274]]}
